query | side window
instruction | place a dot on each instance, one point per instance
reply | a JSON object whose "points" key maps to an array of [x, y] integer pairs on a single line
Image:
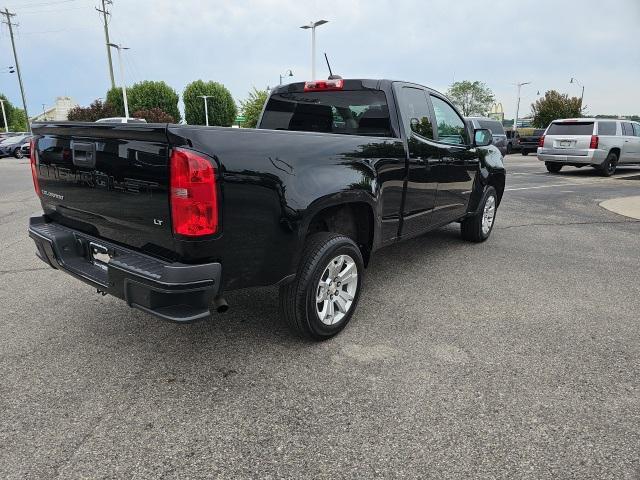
{"points": [[606, 128], [415, 112], [451, 128], [627, 129], [636, 129]]}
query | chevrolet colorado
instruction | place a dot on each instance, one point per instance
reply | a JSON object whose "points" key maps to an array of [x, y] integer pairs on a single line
{"points": [[170, 217]]}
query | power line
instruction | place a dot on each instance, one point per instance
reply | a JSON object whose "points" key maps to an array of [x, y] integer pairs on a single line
{"points": [[10, 24]]}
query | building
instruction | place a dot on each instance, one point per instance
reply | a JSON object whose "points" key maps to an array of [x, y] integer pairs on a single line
{"points": [[59, 112]]}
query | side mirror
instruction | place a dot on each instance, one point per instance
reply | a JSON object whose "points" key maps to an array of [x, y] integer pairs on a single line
{"points": [[482, 137]]}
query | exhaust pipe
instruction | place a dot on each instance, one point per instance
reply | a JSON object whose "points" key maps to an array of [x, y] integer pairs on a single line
{"points": [[220, 305]]}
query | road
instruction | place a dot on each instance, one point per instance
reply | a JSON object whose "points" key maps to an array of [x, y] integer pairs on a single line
{"points": [[515, 358]]}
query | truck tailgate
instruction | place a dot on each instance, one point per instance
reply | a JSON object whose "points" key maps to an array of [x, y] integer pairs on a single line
{"points": [[108, 180]]}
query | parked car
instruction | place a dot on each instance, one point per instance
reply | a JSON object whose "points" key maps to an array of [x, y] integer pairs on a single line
{"points": [[529, 140], [513, 140], [170, 217], [599, 143], [12, 146], [497, 131], [121, 120]]}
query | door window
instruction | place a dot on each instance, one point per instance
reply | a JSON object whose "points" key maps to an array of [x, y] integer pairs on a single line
{"points": [[627, 129], [415, 112], [636, 129], [451, 128]]}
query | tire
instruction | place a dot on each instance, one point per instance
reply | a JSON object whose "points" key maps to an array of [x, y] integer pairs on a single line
{"points": [[553, 167], [473, 228], [524, 154], [18, 153], [299, 305], [609, 165], [509, 149]]}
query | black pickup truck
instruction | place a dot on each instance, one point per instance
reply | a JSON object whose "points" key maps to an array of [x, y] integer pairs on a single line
{"points": [[170, 217]]}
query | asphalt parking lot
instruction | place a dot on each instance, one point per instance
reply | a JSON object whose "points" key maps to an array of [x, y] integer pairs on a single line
{"points": [[515, 358]]}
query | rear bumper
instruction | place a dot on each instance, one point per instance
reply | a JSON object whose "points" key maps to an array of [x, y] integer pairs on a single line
{"points": [[171, 291], [593, 157]]}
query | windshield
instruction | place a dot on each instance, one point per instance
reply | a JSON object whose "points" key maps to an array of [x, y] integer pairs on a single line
{"points": [[571, 128], [349, 112], [12, 140]]}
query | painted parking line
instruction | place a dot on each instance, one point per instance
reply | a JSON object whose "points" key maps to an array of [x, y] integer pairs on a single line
{"points": [[549, 186]]}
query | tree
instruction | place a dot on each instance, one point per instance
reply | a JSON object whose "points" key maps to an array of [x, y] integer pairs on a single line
{"points": [[251, 108], [16, 119], [144, 96], [93, 112], [154, 115], [554, 105], [221, 107], [115, 101], [472, 98]]}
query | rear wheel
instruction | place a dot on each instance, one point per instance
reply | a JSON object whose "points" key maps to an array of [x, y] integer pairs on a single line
{"points": [[524, 154], [509, 148], [608, 167], [321, 300], [478, 227], [553, 167]]}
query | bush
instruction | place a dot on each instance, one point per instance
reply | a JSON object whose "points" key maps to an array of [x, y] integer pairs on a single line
{"points": [[154, 115], [93, 112], [146, 95], [222, 109], [251, 108]]}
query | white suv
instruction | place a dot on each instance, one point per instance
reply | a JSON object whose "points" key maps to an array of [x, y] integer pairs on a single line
{"points": [[600, 143]]}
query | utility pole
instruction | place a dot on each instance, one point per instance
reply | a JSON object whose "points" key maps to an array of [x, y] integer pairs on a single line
{"points": [[124, 86], [105, 14], [515, 121], [7, 20], [4, 116]]}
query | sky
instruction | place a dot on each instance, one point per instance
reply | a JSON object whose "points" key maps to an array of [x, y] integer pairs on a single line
{"points": [[243, 44]]}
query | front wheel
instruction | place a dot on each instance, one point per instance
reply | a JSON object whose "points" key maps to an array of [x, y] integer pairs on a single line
{"points": [[524, 154], [477, 228], [553, 167], [321, 300], [18, 153]]}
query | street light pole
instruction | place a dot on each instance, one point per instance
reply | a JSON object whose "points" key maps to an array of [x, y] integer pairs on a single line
{"points": [[124, 87], [288, 73], [515, 121], [312, 25], [206, 109], [573, 80], [4, 116]]}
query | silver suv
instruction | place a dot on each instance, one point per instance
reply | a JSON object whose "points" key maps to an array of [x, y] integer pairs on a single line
{"points": [[602, 144]]}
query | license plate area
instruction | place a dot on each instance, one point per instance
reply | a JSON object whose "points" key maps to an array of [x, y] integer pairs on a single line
{"points": [[99, 255]]}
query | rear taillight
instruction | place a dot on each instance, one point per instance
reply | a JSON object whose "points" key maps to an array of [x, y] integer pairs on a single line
{"points": [[34, 166], [194, 200], [594, 142], [541, 141], [318, 85]]}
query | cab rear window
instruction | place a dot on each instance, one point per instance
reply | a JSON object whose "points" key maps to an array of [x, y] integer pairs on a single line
{"points": [[495, 127], [571, 128], [348, 112]]}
